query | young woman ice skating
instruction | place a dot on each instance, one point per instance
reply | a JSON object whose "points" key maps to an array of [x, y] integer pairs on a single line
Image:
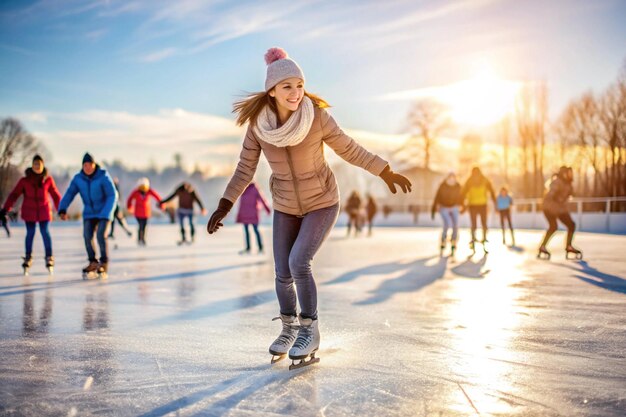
{"points": [[290, 126], [186, 198], [477, 190], [555, 208], [447, 202], [97, 191], [138, 203], [36, 188], [248, 215]]}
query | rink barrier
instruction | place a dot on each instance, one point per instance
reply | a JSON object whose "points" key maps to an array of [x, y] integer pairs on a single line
{"points": [[593, 214]]}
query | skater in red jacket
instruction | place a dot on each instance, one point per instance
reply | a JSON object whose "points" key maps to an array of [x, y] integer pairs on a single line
{"points": [[139, 203], [36, 188]]}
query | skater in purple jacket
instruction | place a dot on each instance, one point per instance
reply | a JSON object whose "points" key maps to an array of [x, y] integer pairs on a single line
{"points": [[250, 202]]}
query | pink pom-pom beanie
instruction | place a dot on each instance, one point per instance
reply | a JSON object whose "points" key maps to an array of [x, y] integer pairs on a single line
{"points": [[280, 67]]}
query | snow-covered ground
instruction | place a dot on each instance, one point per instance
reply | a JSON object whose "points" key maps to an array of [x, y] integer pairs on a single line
{"points": [[185, 330]]}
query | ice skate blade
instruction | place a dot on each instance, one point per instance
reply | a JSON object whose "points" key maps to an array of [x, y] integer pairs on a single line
{"points": [[574, 256], [276, 357], [303, 362], [89, 276], [26, 272], [50, 270], [103, 275], [543, 256]]}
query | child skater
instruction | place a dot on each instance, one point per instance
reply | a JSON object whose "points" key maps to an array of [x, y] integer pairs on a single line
{"points": [[139, 203], [290, 126], [504, 202]]}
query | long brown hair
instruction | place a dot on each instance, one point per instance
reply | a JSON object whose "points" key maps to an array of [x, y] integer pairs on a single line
{"points": [[248, 108]]}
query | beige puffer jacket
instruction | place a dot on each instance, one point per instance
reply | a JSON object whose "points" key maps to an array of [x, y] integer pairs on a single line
{"points": [[301, 179]]}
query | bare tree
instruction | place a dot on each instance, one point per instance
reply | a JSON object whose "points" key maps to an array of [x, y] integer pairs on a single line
{"points": [[427, 120], [470, 150], [504, 131], [613, 120], [531, 113], [17, 146]]}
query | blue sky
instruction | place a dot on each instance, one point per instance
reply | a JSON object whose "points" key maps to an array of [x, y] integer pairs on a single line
{"points": [[141, 80]]}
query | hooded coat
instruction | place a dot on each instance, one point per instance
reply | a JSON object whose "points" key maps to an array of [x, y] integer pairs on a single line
{"points": [[36, 190]]}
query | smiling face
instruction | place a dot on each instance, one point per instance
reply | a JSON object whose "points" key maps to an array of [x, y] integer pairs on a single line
{"points": [[89, 167], [37, 166], [288, 95]]}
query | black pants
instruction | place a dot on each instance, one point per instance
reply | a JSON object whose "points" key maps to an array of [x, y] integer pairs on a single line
{"points": [[475, 212], [566, 219], [119, 217], [141, 234]]}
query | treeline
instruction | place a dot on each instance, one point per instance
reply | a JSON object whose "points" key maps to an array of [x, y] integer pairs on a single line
{"points": [[526, 148], [18, 146]]}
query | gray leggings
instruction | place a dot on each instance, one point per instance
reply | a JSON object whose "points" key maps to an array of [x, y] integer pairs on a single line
{"points": [[296, 240]]}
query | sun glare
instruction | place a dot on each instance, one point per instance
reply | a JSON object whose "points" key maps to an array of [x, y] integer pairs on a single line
{"points": [[482, 100]]}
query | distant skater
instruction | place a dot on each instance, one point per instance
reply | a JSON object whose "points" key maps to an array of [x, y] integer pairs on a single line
{"points": [[476, 191], [96, 189], [447, 202], [555, 208], [290, 126], [249, 204], [118, 214], [504, 202], [371, 208], [138, 203], [353, 209], [4, 222], [187, 196], [36, 188]]}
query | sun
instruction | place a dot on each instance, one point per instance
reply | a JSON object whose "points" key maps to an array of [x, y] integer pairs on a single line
{"points": [[482, 100]]}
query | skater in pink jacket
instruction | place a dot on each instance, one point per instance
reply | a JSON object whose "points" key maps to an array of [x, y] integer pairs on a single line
{"points": [[138, 203], [250, 202]]}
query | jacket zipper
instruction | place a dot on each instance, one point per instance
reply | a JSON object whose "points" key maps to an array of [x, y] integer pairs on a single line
{"points": [[295, 181], [37, 201], [89, 192]]}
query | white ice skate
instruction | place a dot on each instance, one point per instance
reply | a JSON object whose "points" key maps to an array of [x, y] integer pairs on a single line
{"points": [[285, 340], [306, 344]]}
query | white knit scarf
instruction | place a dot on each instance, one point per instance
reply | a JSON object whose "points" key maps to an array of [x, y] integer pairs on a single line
{"points": [[292, 132]]}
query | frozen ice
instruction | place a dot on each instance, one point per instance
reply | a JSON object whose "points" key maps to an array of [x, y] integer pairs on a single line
{"points": [[185, 330]]}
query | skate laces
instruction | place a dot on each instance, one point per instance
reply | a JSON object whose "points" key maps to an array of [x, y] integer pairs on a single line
{"points": [[286, 336], [305, 335]]}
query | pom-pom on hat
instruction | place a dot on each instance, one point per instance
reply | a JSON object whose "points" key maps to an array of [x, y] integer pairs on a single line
{"points": [[143, 183], [280, 67]]}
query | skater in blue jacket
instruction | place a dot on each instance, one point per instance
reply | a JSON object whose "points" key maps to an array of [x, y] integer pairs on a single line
{"points": [[97, 191], [504, 202]]}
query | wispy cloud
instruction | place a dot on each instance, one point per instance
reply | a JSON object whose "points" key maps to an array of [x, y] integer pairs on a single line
{"points": [[137, 138], [96, 35], [158, 55]]}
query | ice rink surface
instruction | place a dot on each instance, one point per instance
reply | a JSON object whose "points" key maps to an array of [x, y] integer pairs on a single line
{"points": [[184, 331]]}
